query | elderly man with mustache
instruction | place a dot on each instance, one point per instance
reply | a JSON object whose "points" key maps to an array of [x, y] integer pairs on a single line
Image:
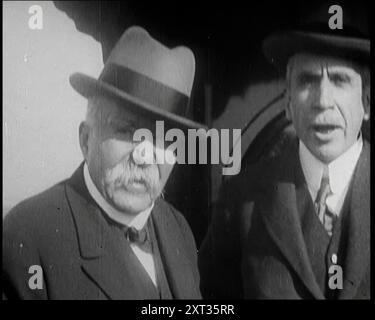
{"points": [[106, 233], [297, 225]]}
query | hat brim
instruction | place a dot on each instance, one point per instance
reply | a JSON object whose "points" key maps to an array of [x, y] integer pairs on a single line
{"points": [[89, 87], [280, 46]]}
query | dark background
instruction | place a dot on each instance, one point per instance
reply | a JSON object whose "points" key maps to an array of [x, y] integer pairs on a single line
{"points": [[226, 38]]}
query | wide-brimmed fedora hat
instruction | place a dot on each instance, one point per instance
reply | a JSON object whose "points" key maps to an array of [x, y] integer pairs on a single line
{"points": [[314, 34], [151, 78]]}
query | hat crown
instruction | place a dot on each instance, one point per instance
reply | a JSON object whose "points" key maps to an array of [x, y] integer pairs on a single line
{"points": [[139, 52], [150, 78], [354, 19], [314, 34]]}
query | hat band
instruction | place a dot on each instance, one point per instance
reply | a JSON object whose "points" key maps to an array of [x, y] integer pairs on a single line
{"points": [[145, 89], [347, 31]]}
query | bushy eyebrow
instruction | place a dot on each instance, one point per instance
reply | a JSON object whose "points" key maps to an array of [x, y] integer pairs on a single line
{"points": [[121, 123], [340, 75], [307, 76]]}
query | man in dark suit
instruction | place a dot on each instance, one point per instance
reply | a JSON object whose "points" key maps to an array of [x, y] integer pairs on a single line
{"points": [[297, 225], [106, 233]]}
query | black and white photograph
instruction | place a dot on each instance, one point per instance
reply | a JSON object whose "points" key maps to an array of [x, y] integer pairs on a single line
{"points": [[208, 153]]}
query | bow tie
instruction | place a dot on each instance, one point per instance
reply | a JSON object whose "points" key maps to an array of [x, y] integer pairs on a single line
{"points": [[141, 238]]}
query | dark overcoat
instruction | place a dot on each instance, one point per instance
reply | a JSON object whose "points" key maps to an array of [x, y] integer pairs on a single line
{"points": [[64, 232], [256, 248]]}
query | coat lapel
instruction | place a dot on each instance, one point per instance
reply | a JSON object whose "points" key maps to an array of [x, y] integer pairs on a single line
{"points": [[106, 258], [281, 217], [358, 249], [177, 265]]}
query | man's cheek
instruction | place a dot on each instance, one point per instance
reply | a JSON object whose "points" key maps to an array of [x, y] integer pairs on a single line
{"points": [[294, 108], [165, 162], [112, 153], [303, 95], [350, 110]]}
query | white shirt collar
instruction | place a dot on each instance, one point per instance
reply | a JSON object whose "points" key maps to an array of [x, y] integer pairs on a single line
{"points": [[340, 170], [137, 221]]}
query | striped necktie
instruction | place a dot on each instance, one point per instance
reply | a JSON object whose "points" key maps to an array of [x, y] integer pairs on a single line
{"points": [[326, 217]]}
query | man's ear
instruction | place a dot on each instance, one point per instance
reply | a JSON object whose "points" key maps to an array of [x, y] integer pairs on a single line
{"points": [[84, 134], [288, 105], [366, 102]]}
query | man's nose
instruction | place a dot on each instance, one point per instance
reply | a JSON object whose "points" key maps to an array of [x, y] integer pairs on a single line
{"points": [[324, 97], [143, 153]]}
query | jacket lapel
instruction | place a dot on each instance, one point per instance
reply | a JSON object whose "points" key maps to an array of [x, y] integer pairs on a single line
{"points": [[358, 249], [282, 220], [106, 258], [177, 265]]}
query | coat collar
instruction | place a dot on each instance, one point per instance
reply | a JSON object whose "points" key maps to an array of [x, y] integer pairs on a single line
{"points": [[281, 214], [282, 219], [358, 250], [179, 267], [89, 220], [100, 246]]}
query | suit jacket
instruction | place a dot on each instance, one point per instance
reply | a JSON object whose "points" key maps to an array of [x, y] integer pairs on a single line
{"points": [[255, 246], [64, 231]]}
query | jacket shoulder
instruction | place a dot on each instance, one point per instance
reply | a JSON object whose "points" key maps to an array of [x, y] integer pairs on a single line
{"points": [[172, 212], [31, 230], [276, 166], [36, 212], [233, 212]]}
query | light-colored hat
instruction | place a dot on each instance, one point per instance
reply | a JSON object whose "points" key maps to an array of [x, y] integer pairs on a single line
{"points": [[156, 80]]}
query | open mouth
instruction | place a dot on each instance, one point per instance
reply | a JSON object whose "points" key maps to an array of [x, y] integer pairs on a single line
{"points": [[325, 128]]}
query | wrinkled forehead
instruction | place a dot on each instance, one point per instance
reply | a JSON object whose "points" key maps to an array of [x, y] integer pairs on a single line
{"points": [[307, 62]]}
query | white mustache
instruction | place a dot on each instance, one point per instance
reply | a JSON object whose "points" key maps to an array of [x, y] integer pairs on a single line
{"points": [[126, 173]]}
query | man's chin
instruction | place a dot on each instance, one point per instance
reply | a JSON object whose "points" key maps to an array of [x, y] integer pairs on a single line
{"points": [[131, 203], [328, 152]]}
